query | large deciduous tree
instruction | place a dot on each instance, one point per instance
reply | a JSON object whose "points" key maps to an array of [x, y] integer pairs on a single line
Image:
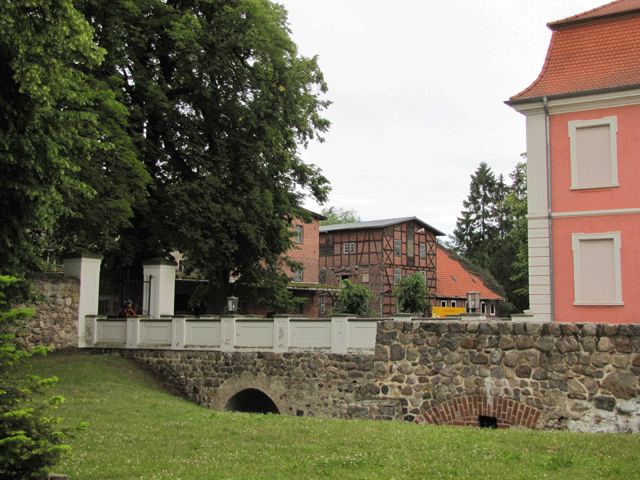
{"points": [[67, 166], [219, 104]]}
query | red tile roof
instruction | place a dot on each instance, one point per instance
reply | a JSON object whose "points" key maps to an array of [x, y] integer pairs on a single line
{"points": [[597, 50], [454, 281]]}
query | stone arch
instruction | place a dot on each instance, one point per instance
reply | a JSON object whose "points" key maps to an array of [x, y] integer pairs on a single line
{"points": [[271, 387], [466, 411], [251, 400]]}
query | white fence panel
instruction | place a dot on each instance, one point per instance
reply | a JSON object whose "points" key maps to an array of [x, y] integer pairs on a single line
{"points": [[310, 334], [111, 331], [202, 334], [254, 334], [155, 333], [362, 334]]}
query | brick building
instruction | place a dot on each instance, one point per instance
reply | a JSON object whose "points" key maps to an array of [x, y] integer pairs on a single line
{"points": [[378, 254]]}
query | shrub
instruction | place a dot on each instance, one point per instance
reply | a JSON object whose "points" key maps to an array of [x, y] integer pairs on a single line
{"points": [[411, 294], [31, 440], [354, 299]]}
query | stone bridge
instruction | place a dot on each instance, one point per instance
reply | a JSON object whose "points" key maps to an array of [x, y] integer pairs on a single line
{"points": [[581, 377]]}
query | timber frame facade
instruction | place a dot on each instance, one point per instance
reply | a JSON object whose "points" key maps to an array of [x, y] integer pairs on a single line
{"points": [[378, 254]]}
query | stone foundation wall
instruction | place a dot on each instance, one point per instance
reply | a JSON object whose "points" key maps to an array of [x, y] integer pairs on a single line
{"points": [[582, 377], [56, 312], [309, 384], [506, 374]]}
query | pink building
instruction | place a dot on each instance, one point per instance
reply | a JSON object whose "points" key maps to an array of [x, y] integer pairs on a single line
{"points": [[583, 147]]}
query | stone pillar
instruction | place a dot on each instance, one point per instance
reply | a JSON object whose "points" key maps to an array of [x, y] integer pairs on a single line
{"points": [[227, 333], [281, 333], [339, 333], [86, 268], [159, 289]]}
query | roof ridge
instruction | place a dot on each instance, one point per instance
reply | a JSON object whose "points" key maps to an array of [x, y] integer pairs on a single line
{"points": [[592, 14]]}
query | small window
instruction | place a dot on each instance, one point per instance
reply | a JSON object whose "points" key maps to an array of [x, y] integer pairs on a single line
{"points": [[423, 250], [483, 308], [348, 248], [397, 247], [593, 152], [323, 306], [397, 275], [298, 274], [492, 308], [443, 303], [364, 275], [454, 303], [596, 268], [299, 234], [322, 276]]}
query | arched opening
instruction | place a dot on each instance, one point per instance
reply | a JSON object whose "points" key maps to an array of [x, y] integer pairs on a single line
{"points": [[251, 400]]}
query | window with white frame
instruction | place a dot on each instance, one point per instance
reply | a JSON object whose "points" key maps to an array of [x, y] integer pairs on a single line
{"points": [[298, 274], [483, 308], [397, 275], [492, 308], [596, 268], [443, 303], [349, 247], [423, 250], [397, 247], [593, 152], [298, 236], [454, 303]]}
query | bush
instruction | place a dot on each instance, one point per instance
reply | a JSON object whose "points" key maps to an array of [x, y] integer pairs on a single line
{"points": [[411, 294], [31, 440], [354, 299]]}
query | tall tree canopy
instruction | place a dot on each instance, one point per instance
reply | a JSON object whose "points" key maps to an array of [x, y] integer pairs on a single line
{"points": [[65, 157], [491, 231], [339, 215], [219, 103]]}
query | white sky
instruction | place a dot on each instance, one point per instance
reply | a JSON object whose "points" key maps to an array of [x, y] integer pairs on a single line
{"points": [[418, 90]]}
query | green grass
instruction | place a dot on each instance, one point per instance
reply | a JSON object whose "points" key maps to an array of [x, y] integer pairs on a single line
{"points": [[138, 431]]}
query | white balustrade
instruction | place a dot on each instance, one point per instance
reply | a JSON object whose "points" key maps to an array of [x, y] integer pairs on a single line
{"points": [[283, 333]]}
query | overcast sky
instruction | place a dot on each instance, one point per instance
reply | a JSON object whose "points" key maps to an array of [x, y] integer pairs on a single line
{"points": [[418, 90]]}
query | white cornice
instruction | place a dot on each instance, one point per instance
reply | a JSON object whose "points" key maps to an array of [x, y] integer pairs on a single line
{"points": [[597, 213], [583, 102]]}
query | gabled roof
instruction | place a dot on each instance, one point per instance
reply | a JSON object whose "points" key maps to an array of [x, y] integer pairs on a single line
{"points": [[377, 224], [455, 281], [595, 51]]}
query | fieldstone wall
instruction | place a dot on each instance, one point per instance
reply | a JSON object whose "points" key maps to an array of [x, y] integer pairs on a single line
{"points": [[55, 321], [582, 377], [309, 384]]}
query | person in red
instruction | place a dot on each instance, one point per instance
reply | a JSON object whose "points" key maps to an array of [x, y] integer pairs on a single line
{"points": [[127, 310]]}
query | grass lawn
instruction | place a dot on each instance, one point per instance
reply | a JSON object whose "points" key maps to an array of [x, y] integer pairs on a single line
{"points": [[138, 431]]}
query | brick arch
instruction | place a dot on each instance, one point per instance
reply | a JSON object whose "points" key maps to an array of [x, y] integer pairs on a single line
{"points": [[465, 410]]}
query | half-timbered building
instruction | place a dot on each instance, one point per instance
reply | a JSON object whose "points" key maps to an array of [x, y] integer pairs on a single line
{"points": [[378, 254]]}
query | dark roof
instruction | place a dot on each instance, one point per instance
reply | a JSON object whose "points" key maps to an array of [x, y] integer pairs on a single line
{"points": [[376, 224], [595, 51], [318, 216]]}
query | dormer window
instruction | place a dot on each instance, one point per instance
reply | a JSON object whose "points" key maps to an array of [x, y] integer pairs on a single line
{"points": [[298, 234]]}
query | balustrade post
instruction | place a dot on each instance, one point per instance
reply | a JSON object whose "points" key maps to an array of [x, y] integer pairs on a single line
{"points": [[158, 294], [91, 330], [177, 332], [227, 333], [281, 333], [132, 332], [339, 333]]}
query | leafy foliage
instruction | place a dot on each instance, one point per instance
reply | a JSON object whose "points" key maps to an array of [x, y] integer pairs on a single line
{"points": [[66, 163], [31, 440], [337, 215], [353, 299], [492, 231], [219, 104], [411, 294]]}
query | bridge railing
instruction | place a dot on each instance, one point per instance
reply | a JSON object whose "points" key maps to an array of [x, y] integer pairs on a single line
{"points": [[283, 333]]}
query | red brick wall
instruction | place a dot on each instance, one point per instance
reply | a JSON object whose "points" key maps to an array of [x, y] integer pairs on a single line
{"points": [[306, 252]]}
